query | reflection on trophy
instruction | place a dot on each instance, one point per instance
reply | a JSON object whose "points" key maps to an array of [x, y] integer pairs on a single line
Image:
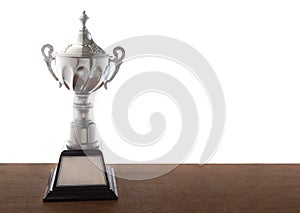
{"points": [[83, 67]]}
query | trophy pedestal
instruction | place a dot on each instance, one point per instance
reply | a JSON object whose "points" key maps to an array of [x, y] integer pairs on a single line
{"points": [[81, 175]]}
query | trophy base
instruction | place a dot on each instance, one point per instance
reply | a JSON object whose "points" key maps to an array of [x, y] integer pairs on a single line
{"points": [[81, 175]]}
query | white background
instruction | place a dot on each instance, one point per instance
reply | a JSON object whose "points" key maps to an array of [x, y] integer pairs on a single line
{"points": [[253, 46]]}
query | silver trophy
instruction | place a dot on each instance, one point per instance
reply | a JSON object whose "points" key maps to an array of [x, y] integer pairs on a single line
{"points": [[83, 67]]}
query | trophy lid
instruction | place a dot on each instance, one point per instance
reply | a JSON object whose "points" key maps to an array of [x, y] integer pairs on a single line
{"points": [[84, 45]]}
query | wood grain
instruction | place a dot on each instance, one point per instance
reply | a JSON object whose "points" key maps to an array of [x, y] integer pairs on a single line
{"points": [[188, 188]]}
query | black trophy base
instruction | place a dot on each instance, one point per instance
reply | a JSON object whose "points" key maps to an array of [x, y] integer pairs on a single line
{"points": [[81, 175]]}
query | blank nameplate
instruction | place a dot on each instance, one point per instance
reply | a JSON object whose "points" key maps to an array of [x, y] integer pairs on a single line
{"points": [[81, 171]]}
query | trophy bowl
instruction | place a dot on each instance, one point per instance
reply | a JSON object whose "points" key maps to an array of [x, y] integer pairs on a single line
{"points": [[83, 66], [83, 72]]}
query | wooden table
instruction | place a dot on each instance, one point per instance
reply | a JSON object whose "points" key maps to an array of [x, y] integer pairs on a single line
{"points": [[188, 188]]}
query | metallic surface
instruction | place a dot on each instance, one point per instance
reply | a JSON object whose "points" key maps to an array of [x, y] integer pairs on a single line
{"points": [[83, 67]]}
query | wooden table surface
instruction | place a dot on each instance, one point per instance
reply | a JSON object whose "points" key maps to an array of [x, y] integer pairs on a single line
{"points": [[188, 188]]}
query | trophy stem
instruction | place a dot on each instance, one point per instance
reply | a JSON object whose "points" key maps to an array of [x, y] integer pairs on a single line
{"points": [[83, 131]]}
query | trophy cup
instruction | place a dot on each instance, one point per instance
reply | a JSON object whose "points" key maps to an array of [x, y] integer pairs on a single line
{"points": [[83, 67]]}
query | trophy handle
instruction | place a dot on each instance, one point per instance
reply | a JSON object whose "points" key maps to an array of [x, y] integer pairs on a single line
{"points": [[118, 61], [48, 58]]}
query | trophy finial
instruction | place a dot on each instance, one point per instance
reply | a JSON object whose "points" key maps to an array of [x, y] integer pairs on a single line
{"points": [[83, 18]]}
